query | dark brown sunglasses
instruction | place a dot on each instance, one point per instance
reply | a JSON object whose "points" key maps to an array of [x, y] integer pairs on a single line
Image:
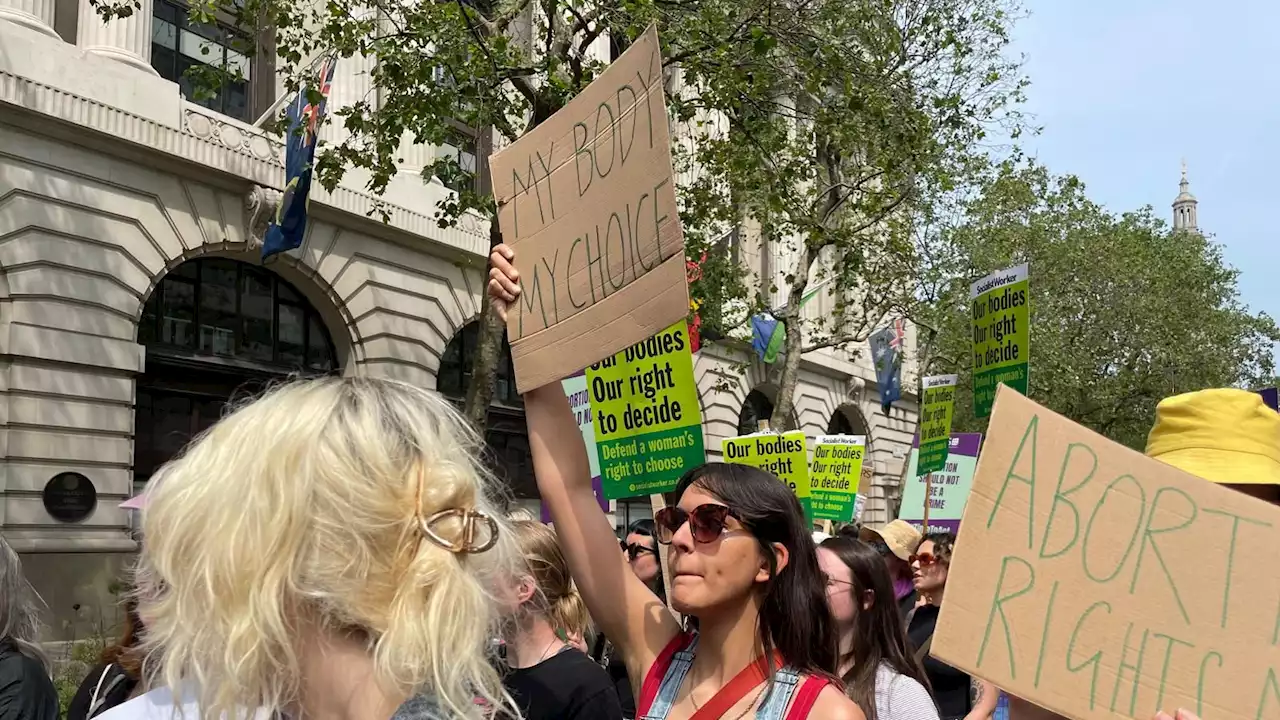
{"points": [[634, 551], [706, 522]]}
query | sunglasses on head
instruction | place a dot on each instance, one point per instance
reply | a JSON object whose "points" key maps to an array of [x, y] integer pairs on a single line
{"points": [[925, 559], [706, 522], [634, 550]]}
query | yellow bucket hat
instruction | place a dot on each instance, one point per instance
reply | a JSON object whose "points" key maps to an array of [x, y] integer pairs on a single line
{"points": [[1224, 436]]}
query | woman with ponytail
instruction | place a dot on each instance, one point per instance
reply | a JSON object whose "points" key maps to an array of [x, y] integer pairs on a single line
{"points": [[329, 550], [549, 677]]}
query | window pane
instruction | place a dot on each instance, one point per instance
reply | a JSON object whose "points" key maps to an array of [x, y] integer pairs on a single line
{"points": [[200, 49], [238, 62], [287, 293], [292, 321], [319, 356], [257, 310], [165, 62], [171, 424], [150, 313], [177, 327], [164, 34], [236, 97], [218, 307]]}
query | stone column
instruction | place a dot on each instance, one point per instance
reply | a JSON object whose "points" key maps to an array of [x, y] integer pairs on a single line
{"points": [[35, 14], [127, 40]]}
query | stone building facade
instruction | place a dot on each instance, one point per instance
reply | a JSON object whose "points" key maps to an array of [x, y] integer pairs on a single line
{"points": [[134, 306]]}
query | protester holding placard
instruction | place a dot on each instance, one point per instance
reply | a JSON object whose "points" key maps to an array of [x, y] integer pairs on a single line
{"points": [[951, 687], [879, 670], [744, 570]]}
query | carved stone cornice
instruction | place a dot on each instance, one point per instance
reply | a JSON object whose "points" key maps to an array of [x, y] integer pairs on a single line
{"points": [[208, 139]]}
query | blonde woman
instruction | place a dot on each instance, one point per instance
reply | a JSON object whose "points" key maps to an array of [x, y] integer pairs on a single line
{"points": [[550, 677], [327, 551]]}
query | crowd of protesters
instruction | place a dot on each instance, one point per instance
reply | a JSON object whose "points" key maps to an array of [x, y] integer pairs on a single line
{"points": [[334, 550]]}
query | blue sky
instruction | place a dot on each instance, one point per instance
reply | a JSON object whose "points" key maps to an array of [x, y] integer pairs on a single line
{"points": [[1125, 89]]}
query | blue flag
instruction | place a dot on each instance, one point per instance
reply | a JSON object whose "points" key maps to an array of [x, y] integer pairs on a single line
{"points": [[289, 228], [767, 336], [886, 354]]}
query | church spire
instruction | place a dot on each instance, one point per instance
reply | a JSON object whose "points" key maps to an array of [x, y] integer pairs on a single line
{"points": [[1184, 206]]}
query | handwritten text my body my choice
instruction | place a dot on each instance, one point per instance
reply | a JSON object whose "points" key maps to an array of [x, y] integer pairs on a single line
{"points": [[1126, 538], [612, 244]]}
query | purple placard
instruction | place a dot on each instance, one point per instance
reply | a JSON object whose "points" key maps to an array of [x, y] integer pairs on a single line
{"points": [[597, 486], [961, 444], [1271, 397]]}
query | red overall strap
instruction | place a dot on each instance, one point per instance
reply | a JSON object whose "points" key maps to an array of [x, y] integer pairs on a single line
{"points": [[729, 695], [653, 678], [806, 697]]}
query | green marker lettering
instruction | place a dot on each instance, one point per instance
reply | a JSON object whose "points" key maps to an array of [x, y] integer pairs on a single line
{"points": [[1095, 659], [1164, 668], [1031, 434], [1060, 498], [1044, 636], [1133, 538], [1231, 553], [997, 606], [1137, 670], [1204, 664], [1272, 689], [1148, 539]]}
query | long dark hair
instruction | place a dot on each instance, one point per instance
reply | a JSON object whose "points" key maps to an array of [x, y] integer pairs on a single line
{"points": [[794, 617], [879, 635], [645, 527], [124, 651]]}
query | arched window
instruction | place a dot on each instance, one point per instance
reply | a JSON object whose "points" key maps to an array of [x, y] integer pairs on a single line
{"points": [[220, 308], [755, 408], [216, 331], [840, 424], [454, 376]]}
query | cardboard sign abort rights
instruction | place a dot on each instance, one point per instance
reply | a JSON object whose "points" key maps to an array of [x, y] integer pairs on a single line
{"points": [[1100, 583], [587, 201]]}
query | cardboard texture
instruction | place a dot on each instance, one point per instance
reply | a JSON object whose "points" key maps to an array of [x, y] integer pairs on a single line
{"points": [[1099, 583], [587, 201]]}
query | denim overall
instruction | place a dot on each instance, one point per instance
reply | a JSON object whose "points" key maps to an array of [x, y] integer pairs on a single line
{"points": [[774, 708]]}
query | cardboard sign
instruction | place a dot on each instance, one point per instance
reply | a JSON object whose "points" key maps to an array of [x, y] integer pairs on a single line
{"points": [[948, 491], [783, 455], [935, 422], [587, 201], [1099, 583], [834, 476], [647, 418], [1001, 312]]}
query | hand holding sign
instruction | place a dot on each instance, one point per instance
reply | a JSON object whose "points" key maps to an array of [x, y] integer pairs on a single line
{"points": [[504, 280]]}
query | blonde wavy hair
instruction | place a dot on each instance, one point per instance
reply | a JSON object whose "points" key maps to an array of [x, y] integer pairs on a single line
{"points": [[557, 598], [303, 509]]}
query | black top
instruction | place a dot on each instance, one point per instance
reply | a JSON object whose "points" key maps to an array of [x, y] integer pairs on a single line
{"points": [[950, 686], [907, 604], [622, 685], [568, 686], [26, 691], [112, 685]]}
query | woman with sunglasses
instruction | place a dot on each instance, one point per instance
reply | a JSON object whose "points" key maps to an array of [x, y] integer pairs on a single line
{"points": [[959, 697], [641, 551], [744, 569], [879, 670]]}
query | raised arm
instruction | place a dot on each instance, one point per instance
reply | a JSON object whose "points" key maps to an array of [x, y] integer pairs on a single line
{"points": [[628, 612]]}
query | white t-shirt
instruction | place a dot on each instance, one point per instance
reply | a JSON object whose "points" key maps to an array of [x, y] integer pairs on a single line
{"points": [[899, 697], [160, 704]]}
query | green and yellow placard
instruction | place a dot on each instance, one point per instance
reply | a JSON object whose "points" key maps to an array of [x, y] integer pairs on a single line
{"points": [[783, 455], [935, 422], [648, 423], [834, 476], [1001, 312]]}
